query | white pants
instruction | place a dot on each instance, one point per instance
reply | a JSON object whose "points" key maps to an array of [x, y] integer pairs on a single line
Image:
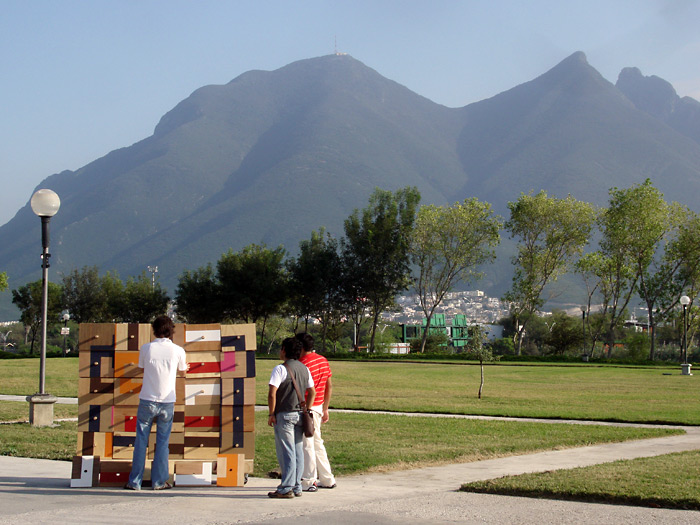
{"points": [[317, 469]]}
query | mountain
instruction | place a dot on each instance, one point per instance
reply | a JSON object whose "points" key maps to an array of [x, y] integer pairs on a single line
{"points": [[657, 97], [572, 131], [272, 155]]}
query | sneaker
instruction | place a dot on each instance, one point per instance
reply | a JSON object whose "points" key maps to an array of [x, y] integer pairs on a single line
{"points": [[330, 487], [164, 486], [297, 494], [131, 487], [312, 488], [275, 494]]}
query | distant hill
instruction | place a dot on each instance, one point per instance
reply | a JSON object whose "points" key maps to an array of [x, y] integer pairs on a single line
{"points": [[272, 155]]}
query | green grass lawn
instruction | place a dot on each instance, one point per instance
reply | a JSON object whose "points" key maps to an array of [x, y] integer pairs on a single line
{"points": [[369, 442], [365, 442], [21, 376], [569, 392], [670, 481]]}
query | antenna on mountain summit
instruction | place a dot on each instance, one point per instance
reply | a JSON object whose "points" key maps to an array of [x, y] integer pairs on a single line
{"points": [[338, 53]]}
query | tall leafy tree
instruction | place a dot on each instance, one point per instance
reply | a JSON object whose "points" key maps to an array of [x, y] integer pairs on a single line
{"points": [[142, 301], [252, 284], [551, 233], [28, 299], [449, 243], [197, 296], [674, 270], [315, 281], [377, 248], [632, 227], [84, 295]]}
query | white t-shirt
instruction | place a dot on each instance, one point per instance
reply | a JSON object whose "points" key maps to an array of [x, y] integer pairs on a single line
{"points": [[279, 374], [160, 360]]}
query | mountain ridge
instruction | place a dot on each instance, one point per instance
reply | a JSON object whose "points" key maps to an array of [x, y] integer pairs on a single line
{"points": [[272, 155]]}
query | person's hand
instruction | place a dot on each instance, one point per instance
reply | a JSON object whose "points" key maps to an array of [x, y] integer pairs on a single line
{"points": [[188, 368], [271, 420], [325, 417]]}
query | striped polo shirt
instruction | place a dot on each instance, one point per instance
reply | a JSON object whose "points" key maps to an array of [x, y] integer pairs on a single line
{"points": [[320, 372]]}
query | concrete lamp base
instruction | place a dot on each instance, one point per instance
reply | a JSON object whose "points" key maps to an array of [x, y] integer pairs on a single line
{"points": [[685, 369], [41, 409]]}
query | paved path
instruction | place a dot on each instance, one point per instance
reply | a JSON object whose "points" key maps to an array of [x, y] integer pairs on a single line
{"points": [[60, 400], [37, 491]]}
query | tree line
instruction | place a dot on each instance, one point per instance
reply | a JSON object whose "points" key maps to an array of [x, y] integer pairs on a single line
{"points": [[637, 246]]}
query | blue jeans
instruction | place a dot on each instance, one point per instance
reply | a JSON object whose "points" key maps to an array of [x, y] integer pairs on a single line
{"points": [[289, 445], [162, 414]]}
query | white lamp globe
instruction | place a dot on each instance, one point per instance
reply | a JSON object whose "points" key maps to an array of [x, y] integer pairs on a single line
{"points": [[45, 203]]}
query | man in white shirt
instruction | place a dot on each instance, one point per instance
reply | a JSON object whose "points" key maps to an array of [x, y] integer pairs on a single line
{"points": [[160, 359]]}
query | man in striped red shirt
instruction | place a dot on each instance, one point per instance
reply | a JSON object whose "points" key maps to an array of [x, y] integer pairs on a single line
{"points": [[317, 469]]}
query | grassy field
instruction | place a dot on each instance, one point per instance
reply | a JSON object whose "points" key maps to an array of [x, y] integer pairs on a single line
{"points": [[669, 481], [643, 395], [368, 442], [566, 392], [365, 442]]}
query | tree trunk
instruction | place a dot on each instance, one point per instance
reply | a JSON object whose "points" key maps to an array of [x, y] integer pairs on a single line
{"points": [[262, 332], [375, 320], [425, 333], [652, 335], [481, 384]]}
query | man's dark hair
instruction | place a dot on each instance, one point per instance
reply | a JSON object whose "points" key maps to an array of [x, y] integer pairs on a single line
{"points": [[292, 347], [163, 326], [307, 341]]}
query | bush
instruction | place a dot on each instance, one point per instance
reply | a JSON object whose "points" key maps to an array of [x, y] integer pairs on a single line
{"points": [[503, 346], [638, 346], [434, 344]]}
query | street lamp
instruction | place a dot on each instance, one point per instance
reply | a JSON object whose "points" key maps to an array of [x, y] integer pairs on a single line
{"points": [[65, 330], [685, 367], [45, 204]]}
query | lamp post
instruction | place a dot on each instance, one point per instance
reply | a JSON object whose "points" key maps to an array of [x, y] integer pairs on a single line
{"points": [[45, 204], [65, 330], [685, 367]]}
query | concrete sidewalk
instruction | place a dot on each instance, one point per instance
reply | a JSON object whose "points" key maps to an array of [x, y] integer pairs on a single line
{"points": [[38, 491], [60, 400]]}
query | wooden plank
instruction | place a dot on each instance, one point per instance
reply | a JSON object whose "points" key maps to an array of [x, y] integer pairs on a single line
{"points": [[230, 333], [95, 334]]}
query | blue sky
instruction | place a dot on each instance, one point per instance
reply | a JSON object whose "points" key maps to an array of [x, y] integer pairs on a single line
{"points": [[83, 77]]}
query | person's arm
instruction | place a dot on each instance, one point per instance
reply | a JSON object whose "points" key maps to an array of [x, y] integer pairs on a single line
{"points": [[327, 400], [310, 396], [271, 405]]}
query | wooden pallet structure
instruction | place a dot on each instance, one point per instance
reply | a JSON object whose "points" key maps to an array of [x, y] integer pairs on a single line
{"points": [[213, 433]]}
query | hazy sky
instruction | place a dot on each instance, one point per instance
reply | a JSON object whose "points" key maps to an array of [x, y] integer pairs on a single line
{"points": [[83, 77]]}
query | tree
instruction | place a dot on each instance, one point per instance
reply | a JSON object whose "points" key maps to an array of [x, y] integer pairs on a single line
{"points": [[29, 299], [197, 296], [252, 284], [3, 281], [632, 227], [674, 270], [564, 334], [448, 244], [482, 352], [142, 300], [315, 281], [84, 296], [376, 248], [551, 232]]}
